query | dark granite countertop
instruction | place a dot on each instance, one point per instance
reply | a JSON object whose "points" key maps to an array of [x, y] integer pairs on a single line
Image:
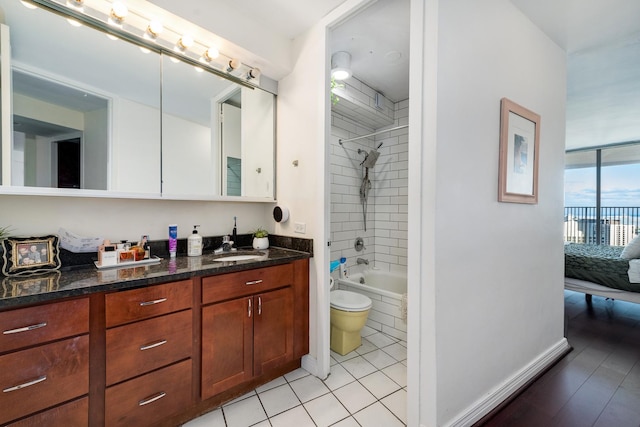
{"points": [[68, 282]]}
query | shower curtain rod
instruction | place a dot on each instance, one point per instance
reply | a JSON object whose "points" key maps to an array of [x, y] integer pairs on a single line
{"points": [[340, 141]]}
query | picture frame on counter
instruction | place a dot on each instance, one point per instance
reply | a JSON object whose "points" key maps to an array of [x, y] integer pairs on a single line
{"points": [[30, 255]]}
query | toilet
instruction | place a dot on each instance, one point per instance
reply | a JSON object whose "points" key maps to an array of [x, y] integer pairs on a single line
{"points": [[349, 311]]}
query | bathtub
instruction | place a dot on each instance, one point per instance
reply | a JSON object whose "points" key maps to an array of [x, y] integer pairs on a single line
{"points": [[387, 291]]}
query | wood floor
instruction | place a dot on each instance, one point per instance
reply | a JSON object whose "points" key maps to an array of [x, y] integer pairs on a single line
{"points": [[596, 384]]}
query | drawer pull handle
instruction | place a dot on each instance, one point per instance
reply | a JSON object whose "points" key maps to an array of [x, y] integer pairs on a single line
{"points": [[249, 309], [154, 345], [253, 282], [259, 306], [155, 301], [25, 329], [27, 384], [152, 399]]}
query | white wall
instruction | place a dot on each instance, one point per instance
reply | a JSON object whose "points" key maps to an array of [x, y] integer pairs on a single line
{"points": [[302, 133], [136, 148], [497, 267], [385, 238], [258, 129], [187, 160], [95, 150], [118, 219]]}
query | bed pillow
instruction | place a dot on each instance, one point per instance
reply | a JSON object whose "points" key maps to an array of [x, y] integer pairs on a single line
{"points": [[632, 250]]}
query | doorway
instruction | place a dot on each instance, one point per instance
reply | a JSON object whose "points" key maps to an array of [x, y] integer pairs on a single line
{"points": [[68, 163]]}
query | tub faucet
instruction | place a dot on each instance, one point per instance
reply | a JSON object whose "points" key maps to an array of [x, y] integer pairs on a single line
{"points": [[362, 261]]}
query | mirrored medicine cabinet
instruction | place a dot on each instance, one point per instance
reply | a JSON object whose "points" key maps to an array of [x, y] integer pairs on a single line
{"points": [[92, 114]]}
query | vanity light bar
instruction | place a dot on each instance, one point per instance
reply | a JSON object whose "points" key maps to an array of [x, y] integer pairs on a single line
{"points": [[133, 26]]}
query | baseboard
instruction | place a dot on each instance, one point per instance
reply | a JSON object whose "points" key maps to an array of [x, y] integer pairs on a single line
{"points": [[512, 386], [309, 364]]}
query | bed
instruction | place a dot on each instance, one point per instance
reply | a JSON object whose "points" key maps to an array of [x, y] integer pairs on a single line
{"points": [[603, 270]]}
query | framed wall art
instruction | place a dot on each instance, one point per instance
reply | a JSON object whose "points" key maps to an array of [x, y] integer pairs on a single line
{"points": [[519, 154], [30, 255]]}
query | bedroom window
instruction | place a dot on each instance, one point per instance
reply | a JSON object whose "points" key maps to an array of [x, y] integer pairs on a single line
{"points": [[602, 194]]}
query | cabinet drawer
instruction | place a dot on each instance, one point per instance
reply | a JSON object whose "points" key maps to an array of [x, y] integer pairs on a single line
{"points": [[43, 376], [147, 345], [25, 327], [137, 304], [233, 285], [74, 414], [146, 400]]}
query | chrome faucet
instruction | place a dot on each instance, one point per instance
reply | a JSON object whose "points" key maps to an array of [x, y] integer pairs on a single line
{"points": [[362, 261], [227, 244]]}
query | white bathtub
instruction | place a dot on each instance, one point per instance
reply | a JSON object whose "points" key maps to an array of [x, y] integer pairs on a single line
{"points": [[387, 291]]}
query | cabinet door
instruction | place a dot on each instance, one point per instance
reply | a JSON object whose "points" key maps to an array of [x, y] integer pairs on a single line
{"points": [[273, 330], [227, 333]]}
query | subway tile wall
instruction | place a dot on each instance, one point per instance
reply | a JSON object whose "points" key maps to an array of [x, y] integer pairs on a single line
{"points": [[385, 237]]}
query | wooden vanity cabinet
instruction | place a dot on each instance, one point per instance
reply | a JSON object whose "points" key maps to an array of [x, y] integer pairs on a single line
{"points": [[245, 337], [149, 341], [44, 363], [153, 356]]}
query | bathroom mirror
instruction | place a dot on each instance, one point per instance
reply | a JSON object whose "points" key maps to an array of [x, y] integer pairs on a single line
{"points": [[90, 112]]}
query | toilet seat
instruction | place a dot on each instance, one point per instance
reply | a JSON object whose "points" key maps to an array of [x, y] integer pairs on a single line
{"points": [[349, 301]]}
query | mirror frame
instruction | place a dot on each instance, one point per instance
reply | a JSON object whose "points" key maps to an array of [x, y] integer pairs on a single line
{"points": [[98, 25]]}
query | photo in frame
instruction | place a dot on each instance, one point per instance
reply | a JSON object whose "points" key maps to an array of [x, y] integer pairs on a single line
{"points": [[519, 154], [30, 255]]}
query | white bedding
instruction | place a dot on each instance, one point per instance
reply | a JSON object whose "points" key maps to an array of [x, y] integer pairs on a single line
{"points": [[634, 271]]}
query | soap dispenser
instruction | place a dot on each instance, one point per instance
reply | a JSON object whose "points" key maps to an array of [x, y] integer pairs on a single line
{"points": [[194, 243]]}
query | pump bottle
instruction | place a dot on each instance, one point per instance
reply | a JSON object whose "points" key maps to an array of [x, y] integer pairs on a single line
{"points": [[194, 243]]}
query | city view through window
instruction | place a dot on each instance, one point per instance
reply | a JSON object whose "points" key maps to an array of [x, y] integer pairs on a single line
{"points": [[617, 221]]}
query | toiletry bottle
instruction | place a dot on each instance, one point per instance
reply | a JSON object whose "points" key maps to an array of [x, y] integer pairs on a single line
{"points": [[234, 234], [194, 243], [343, 268], [173, 240]]}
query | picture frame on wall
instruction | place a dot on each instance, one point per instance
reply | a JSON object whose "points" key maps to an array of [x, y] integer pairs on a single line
{"points": [[30, 255], [519, 154]]}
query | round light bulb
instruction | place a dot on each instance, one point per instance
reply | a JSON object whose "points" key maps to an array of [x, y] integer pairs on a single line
{"points": [[154, 29], [118, 12], [211, 53], [233, 64], [186, 41]]}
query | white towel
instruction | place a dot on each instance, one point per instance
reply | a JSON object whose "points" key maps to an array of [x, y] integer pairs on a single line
{"points": [[403, 307], [634, 271]]}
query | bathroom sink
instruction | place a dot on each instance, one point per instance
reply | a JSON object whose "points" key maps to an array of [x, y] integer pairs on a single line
{"points": [[228, 257]]}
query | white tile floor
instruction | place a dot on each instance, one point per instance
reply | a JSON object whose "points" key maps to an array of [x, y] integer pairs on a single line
{"points": [[366, 388]]}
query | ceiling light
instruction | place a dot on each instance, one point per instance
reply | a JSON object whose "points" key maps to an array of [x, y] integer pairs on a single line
{"points": [[253, 73], [118, 12], [233, 64], [210, 54], [154, 29], [184, 43], [341, 65]]}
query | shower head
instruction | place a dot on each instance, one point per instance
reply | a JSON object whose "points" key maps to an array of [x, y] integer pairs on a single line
{"points": [[371, 159]]}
